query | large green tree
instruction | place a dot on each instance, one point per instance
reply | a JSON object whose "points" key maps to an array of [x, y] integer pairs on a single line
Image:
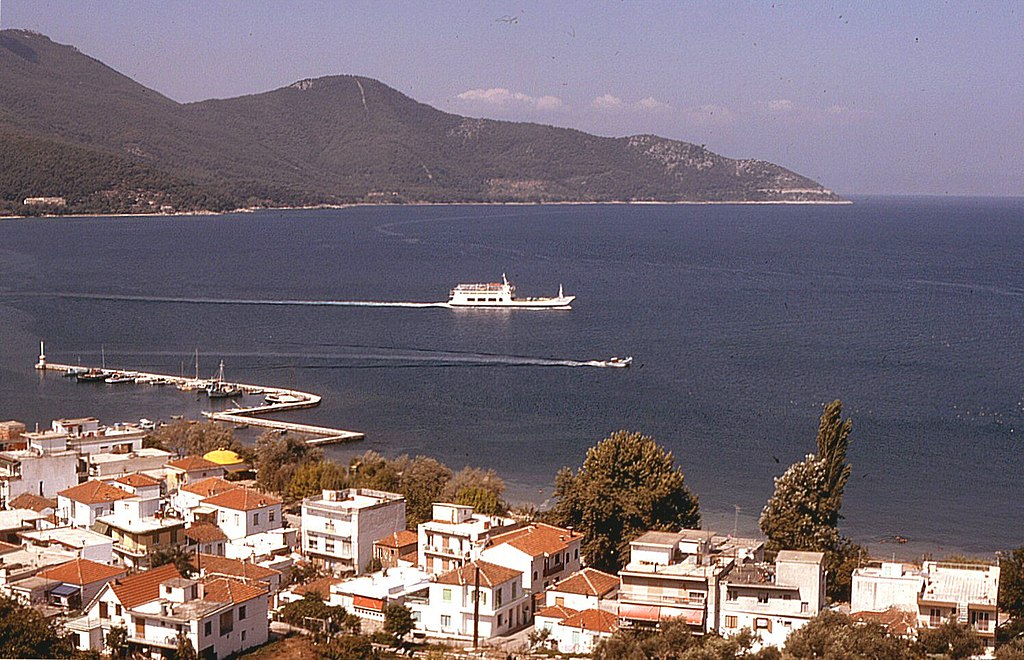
{"points": [[804, 512], [835, 635], [626, 486], [25, 633], [1011, 583], [952, 640], [278, 457], [480, 489]]}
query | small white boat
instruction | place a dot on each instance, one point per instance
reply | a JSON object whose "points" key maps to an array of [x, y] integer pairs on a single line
{"points": [[147, 424], [117, 378], [621, 363]]}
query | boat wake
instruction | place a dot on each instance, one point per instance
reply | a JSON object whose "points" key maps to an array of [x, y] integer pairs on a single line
{"points": [[228, 301]]}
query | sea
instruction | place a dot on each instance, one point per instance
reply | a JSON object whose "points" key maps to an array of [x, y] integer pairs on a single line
{"points": [[742, 321]]}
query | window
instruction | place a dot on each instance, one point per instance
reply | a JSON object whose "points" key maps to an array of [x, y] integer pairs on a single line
{"points": [[731, 622], [515, 588], [446, 595], [103, 610], [227, 623], [272, 516], [117, 609], [497, 597], [804, 607], [499, 621], [236, 519], [730, 594], [763, 624], [446, 621], [483, 597], [697, 595], [329, 545], [577, 553], [255, 519], [535, 576], [207, 628], [241, 612], [762, 596], [935, 617], [560, 601], [243, 635]]}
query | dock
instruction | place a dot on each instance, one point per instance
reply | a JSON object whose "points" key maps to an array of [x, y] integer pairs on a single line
{"points": [[283, 400]]}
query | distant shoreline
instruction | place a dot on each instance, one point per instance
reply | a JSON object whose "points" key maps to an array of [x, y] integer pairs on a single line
{"points": [[840, 202]]}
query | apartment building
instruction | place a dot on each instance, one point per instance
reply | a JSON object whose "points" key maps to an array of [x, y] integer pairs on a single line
{"points": [[340, 527], [455, 535]]}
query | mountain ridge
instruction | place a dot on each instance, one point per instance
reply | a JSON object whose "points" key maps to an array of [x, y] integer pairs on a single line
{"points": [[337, 139]]}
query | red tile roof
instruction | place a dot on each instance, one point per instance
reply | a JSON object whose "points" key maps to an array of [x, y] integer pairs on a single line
{"points": [[94, 492], [32, 502], [593, 620], [242, 499], [226, 590], [320, 587], [82, 572], [205, 533], [214, 565], [491, 575], [399, 539], [138, 480], [143, 587], [190, 463], [537, 539], [210, 487], [896, 621], [588, 582], [556, 612]]}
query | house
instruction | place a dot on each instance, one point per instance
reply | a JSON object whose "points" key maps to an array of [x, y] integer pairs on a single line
{"points": [[188, 500], [81, 505], [503, 606], [77, 541], [935, 592], [544, 554], [219, 616], [586, 589], [205, 538], [136, 536], [575, 632], [140, 485], [244, 571], [455, 535], [10, 435], [773, 600], [190, 469], [244, 511], [340, 527], [33, 502], [366, 596], [88, 437], [110, 465], [42, 472], [264, 546], [397, 545], [78, 581]]}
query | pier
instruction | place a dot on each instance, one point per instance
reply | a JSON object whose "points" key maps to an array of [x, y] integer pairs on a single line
{"points": [[282, 400]]}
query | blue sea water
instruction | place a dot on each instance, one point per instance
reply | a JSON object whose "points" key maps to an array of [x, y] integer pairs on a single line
{"points": [[742, 321]]}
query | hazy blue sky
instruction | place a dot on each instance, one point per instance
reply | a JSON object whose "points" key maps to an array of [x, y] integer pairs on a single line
{"points": [[866, 97]]}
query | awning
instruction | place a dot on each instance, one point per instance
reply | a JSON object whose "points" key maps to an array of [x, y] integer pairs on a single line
{"points": [[64, 590], [650, 613], [375, 604]]}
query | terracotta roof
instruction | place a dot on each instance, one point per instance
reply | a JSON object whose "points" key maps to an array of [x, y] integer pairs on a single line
{"points": [[95, 492], [556, 612], [226, 590], [399, 539], [190, 463], [32, 502], [320, 587], [537, 539], [588, 582], [214, 565], [242, 499], [137, 480], [82, 572], [594, 620], [491, 575], [896, 621], [210, 487], [143, 587], [205, 533]]}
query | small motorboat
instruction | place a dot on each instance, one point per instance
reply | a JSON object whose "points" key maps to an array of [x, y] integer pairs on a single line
{"points": [[117, 378], [620, 362], [91, 376]]}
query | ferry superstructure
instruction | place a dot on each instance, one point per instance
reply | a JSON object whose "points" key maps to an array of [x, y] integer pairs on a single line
{"points": [[503, 295]]}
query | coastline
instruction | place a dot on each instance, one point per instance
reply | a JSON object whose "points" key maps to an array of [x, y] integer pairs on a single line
{"points": [[257, 209]]}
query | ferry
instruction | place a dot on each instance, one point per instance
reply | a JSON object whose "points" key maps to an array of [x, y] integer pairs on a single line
{"points": [[503, 294]]}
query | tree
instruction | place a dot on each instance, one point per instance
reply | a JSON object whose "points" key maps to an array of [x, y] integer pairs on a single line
{"points": [[25, 633], [347, 647], [421, 481], [951, 639], [188, 437], [279, 456], [310, 479], [480, 489], [371, 470], [117, 641], [1012, 650], [313, 614], [626, 486], [184, 649], [835, 635], [176, 555], [398, 621], [804, 511], [1011, 583]]}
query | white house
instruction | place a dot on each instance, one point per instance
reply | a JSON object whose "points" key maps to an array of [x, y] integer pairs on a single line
{"points": [[242, 512], [32, 470], [504, 607], [586, 589], [78, 581], [78, 541], [575, 632], [366, 596], [544, 554], [188, 499], [219, 616], [81, 505], [773, 600], [340, 527], [454, 536], [190, 469]]}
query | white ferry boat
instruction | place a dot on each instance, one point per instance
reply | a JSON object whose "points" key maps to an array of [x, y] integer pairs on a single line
{"points": [[503, 294]]}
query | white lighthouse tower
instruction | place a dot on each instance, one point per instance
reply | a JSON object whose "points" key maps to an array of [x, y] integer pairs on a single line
{"points": [[42, 357]]}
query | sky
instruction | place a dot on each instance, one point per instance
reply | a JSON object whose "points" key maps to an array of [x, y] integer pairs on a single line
{"points": [[913, 97]]}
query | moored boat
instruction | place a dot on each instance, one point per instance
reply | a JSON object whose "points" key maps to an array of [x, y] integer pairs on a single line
{"points": [[91, 376]]}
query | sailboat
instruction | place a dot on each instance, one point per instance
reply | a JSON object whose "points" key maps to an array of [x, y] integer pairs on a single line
{"points": [[94, 375], [219, 389], [195, 383]]}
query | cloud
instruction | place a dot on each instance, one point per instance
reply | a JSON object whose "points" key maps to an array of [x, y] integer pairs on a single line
{"points": [[506, 98], [610, 102], [709, 115], [787, 110]]}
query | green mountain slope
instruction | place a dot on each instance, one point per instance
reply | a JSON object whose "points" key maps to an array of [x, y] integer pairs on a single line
{"points": [[71, 126]]}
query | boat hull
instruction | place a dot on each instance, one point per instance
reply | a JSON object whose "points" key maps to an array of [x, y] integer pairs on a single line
{"points": [[564, 302]]}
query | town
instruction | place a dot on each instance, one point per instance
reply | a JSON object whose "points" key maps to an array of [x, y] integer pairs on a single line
{"points": [[133, 548]]}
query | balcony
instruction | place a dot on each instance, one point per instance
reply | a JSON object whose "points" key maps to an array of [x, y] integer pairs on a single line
{"points": [[446, 552], [554, 568], [649, 599]]}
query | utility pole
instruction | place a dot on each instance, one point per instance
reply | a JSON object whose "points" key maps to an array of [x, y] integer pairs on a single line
{"points": [[476, 607]]}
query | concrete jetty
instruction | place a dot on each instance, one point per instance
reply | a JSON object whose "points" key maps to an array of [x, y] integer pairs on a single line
{"points": [[280, 400]]}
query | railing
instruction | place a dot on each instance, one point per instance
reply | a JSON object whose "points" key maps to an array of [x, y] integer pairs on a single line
{"points": [[556, 568], [662, 600]]}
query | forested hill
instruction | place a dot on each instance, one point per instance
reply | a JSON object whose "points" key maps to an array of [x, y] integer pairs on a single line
{"points": [[72, 127]]}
